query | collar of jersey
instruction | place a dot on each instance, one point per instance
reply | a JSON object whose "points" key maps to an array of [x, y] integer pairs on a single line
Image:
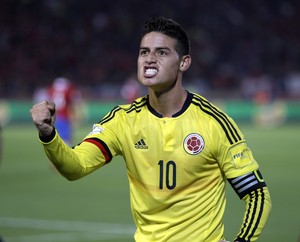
{"points": [[184, 107]]}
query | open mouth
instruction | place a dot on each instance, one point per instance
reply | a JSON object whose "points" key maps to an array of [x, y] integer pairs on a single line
{"points": [[150, 71]]}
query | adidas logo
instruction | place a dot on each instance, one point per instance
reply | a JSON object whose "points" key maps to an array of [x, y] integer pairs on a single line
{"points": [[141, 144]]}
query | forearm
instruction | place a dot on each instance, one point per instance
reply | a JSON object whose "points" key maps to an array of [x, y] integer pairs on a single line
{"points": [[258, 207], [72, 163]]}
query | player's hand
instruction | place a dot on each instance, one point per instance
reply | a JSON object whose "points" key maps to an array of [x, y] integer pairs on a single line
{"points": [[43, 116]]}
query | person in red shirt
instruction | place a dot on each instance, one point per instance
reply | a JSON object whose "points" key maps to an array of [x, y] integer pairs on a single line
{"points": [[65, 96]]}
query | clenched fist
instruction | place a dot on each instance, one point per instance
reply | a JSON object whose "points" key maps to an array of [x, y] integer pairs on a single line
{"points": [[43, 116]]}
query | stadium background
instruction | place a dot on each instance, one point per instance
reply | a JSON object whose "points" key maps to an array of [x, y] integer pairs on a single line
{"points": [[246, 58]]}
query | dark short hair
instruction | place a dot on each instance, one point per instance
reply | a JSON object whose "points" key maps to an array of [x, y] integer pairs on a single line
{"points": [[170, 28]]}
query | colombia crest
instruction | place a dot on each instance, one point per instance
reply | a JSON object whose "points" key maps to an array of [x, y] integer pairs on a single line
{"points": [[193, 144]]}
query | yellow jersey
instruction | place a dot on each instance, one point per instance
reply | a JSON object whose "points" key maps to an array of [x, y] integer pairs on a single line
{"points": [[177, 167]]}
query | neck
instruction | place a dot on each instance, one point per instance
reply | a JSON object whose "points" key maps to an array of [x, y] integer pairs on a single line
{"points": [[168, 103]]}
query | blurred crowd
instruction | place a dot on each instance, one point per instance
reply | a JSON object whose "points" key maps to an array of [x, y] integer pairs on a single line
{"points": [[240, 49]]}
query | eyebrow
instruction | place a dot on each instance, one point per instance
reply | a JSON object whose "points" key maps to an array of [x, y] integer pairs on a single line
{"points": [[156, 48]]}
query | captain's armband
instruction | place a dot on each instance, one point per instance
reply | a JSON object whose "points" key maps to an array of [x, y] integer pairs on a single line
{"points": [[247, 183]]}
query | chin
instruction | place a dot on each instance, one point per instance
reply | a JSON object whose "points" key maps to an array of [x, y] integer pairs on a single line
{"points": [[147, 82]]}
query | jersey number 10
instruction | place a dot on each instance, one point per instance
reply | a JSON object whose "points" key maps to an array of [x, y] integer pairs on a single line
{"points": [[167, 174]]}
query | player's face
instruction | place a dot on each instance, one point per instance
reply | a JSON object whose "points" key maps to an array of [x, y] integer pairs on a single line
{"points": [[158, 61]]}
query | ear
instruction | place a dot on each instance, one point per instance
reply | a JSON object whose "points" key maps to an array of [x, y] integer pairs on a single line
{"points": [[185, 63]]}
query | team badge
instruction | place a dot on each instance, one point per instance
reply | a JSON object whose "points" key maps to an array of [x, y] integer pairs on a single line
{"points": [[193, 144]]}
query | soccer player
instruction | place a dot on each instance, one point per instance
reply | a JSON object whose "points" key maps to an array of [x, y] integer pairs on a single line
{"points": [[65, 96], [179, 150]]}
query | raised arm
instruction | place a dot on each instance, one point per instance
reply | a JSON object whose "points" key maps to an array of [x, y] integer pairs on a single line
{"points": [[72, 163]]}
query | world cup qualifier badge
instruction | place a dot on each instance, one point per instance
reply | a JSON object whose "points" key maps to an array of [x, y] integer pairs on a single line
{"points": [[193, 144]]}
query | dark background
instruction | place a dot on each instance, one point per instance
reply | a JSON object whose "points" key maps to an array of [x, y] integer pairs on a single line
{"points": [[237, 45]]}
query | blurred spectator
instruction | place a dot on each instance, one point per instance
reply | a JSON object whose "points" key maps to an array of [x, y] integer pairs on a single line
{"points": [[292, 84], [94, 41], [258, 87], [67, 99]]}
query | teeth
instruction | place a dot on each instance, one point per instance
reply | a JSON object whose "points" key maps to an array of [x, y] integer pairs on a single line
{"points": [[151, 71]]}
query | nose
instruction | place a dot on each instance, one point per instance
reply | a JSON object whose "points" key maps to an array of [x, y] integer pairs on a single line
{"points": [[150, 58]]}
